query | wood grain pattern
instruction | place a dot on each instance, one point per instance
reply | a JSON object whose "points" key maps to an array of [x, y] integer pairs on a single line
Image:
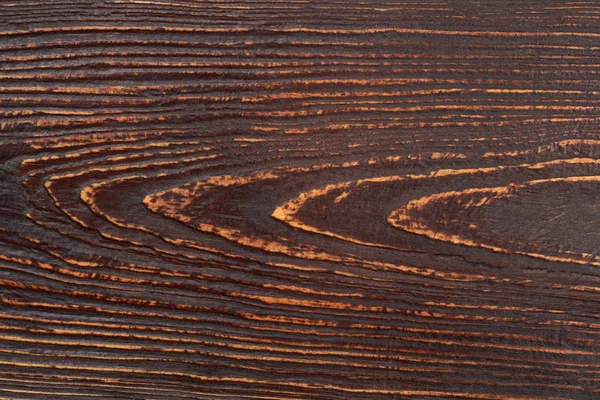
{"points": [[263, 199]]}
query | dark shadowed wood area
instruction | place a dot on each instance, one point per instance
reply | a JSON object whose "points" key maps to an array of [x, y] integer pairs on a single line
{"points": [[299, 200]]}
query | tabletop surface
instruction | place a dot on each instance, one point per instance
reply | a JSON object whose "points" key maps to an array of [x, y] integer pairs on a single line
{"points": [[316, 200]]}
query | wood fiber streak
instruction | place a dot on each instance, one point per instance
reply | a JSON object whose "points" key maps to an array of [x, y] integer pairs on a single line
{"points": [[317, 200]]}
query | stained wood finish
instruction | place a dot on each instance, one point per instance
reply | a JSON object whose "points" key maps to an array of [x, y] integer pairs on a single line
{"points": [[318, 200]]}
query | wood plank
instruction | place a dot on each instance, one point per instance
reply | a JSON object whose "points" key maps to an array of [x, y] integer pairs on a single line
{"points": [[259, 199]]}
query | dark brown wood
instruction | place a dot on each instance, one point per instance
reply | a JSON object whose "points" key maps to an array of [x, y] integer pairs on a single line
{"points": [[315, 200]]}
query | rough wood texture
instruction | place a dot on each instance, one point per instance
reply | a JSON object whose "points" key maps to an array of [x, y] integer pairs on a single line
{"points": [[321, 200]]}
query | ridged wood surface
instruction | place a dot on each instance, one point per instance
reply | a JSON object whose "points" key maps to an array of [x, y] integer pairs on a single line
{"points": [[320, 200]]}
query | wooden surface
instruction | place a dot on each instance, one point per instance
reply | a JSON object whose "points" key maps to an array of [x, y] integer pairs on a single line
{"points": [[321, 200]]}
